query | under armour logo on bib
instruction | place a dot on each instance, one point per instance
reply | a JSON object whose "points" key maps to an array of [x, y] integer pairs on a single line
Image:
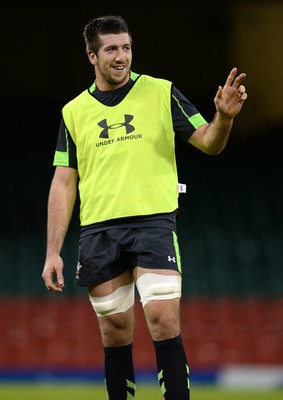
{"points": [[105, 132]]}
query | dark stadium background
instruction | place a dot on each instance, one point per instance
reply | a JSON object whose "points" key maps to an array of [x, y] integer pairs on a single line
{"points": [[230, 227]]}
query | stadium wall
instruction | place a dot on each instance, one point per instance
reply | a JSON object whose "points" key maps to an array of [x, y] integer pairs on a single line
{"points": [[51, 338]]}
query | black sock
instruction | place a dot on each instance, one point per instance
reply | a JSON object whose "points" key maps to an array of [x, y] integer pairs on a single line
{"points": [[119, 372], [173, 370]]}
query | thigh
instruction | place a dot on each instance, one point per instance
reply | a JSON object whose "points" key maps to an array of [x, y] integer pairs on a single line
{"points": [[160, 291], [139, 271], [106, 288], [116, 326]]}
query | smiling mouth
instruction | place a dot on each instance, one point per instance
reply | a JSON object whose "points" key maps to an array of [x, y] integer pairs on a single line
{"points": [[119, 67]]}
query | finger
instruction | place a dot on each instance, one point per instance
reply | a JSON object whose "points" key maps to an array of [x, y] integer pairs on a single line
{"points": [[50, 285], [242, 89], [53, 287], [59, 285], [231, 77], [238, 81]]}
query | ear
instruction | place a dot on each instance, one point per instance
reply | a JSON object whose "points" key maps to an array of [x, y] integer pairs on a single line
{"points": [[92, 57]]}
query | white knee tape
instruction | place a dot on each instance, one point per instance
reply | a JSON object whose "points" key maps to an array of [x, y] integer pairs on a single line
{"points": [[119, 301], [158, 287]]}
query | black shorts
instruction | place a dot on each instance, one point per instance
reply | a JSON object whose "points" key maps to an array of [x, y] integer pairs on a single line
{"points": [[107, 254]]}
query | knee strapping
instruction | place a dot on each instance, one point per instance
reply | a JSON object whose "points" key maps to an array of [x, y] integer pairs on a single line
{"points": [[158, 287], [119, 301]]}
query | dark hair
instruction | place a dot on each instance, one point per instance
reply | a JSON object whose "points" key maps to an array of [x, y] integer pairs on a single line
{"points": [[103, 26]]}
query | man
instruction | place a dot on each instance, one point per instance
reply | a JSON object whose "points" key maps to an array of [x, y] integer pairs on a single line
{"points": [[116, 146]]}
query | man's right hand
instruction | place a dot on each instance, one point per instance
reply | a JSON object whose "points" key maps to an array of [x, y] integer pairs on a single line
{"points": [[53, 273]]}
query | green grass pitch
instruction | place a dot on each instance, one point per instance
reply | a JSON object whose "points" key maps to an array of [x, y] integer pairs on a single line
{"points": [[144, 392]]}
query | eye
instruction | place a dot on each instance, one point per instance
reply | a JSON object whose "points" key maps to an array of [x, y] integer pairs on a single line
{"points": [[109, 49]]}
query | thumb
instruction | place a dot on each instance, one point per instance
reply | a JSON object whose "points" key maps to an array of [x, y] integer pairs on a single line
{"points": [[219, 92], [60, 279]]}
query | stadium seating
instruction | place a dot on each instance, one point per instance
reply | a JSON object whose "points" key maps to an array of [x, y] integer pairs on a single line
{"points": [[232, 254]]}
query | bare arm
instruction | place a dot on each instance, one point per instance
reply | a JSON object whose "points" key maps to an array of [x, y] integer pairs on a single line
{"points": [[212, 138], [61, 200]]}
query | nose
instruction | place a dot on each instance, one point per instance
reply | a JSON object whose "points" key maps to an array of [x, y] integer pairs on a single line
{"points": [[119, 54]]}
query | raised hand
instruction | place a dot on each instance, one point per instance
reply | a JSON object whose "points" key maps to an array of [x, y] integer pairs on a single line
{"points": [[230, 98]]}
